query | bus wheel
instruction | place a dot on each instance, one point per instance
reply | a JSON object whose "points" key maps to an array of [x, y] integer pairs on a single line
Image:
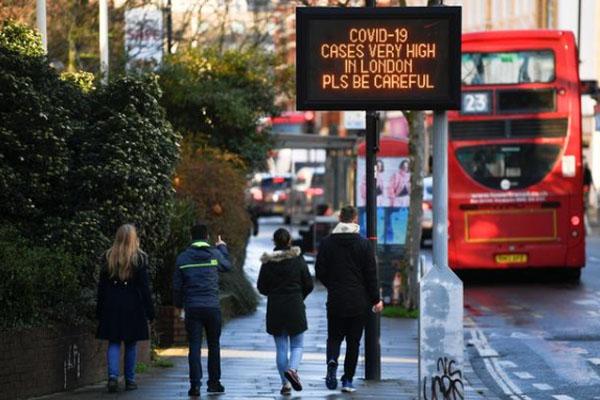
{"points": [[572, 275]]}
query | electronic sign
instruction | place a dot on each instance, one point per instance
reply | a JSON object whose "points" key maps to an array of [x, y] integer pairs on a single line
{"points": [[378, 58]]}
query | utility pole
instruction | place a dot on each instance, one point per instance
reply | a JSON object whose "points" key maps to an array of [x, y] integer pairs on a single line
{"points": [[103, 28], [41, 22], [169, 27], [372, 327]]}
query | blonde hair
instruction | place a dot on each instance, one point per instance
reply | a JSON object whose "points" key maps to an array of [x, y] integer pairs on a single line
{"points": [[123, 254]]}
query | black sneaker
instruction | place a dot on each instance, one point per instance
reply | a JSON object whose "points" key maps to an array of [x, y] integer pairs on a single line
{"points": [[331, 378], [292, 377], [286, 390], [130, 385], [215, 388], [113, 385], [194, 391]]}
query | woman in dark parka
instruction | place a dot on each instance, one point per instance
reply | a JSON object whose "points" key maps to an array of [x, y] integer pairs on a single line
{"points": [[124, 304], [285, 279]]}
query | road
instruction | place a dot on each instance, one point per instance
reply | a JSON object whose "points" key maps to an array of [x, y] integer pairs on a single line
{"points": [[532, 339]]}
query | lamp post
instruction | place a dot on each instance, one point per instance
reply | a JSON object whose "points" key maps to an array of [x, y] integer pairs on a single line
{"points": [[103, 28], [41, 22]]}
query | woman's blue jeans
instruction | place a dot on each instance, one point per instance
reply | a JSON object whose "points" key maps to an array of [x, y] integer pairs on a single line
{"points": [[289, 353], [113, 355]]}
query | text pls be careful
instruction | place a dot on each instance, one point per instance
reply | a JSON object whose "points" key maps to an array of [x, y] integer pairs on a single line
{"points": [[377, 58]]}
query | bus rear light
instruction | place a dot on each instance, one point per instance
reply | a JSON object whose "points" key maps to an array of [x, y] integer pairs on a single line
{"points": [[575, 220], [426, 206], [574, 234]]}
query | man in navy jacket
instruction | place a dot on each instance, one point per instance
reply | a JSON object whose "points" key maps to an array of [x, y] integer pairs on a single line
{"points": [[196, 289]]}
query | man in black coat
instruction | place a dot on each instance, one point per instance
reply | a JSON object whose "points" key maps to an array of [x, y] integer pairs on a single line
{"points": [[347, 268], [196, 288]]}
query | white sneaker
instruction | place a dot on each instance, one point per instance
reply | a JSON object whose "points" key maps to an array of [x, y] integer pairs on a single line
{"points": [[348, 387]]}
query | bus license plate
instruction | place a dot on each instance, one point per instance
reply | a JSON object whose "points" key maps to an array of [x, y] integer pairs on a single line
{"points": [[511, 258]]}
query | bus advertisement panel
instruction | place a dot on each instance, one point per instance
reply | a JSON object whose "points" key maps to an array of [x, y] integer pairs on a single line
{"points": [[515, 165]]}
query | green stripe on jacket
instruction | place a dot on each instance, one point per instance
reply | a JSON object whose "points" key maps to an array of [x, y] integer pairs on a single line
{"points": [[211, 263]]}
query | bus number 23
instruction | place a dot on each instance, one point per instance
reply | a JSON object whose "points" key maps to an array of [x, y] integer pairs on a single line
{"points": [[476, 103]]}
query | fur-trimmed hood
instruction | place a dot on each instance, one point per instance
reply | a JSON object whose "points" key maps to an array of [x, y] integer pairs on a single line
{"points": [[280, 255], [346, 227]]}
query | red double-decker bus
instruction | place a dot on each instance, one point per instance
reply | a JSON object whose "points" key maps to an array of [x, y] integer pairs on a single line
{"points": [[515, 181]]}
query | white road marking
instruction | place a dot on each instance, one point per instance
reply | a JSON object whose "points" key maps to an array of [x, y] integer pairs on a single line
{"points": [[507, 364], [586, 302], [523, 375], [595, 361], [516, 390], [593, 313], [481, 344], [495, 377], [563, 397], [594, 259], [542, 386], [520, 335], [579, 350]]}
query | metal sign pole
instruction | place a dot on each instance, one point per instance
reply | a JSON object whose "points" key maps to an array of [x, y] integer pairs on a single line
{"points": [[372, 327], [440, 189], [441, 292]]}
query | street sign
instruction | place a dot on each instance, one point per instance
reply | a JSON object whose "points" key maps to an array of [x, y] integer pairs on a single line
{"points": [[143, 37], [378, 58]]}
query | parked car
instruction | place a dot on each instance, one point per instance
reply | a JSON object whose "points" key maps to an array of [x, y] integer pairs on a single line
{"points": [[307, 193], [269, 195], [427, 217]]}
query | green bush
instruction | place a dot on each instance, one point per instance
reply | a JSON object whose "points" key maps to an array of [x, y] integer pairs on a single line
{"points": [[74, 166], [39, 116], [21, 39], [122, 165], [220, 97], [37, 284], [82, 79]]}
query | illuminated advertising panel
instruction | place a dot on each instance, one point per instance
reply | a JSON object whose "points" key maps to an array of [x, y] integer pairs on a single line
{"points": [[378, 58]]}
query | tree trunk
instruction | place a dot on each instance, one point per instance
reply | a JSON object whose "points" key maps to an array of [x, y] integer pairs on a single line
{"points": [[416, 147]]}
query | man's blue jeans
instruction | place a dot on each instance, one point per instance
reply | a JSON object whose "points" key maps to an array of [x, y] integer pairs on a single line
{"points": [[209, 320], [113, 355], [292, 344]]}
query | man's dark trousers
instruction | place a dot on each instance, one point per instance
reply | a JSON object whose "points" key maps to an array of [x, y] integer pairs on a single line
{"points": [[209, 319], [351, 329]]}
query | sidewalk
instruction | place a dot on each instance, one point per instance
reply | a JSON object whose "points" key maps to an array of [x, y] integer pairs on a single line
{"points": [[248, 360]]}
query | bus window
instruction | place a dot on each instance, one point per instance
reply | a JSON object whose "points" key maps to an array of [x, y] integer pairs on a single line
{"points": [[508, 67], [521, 164]]}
